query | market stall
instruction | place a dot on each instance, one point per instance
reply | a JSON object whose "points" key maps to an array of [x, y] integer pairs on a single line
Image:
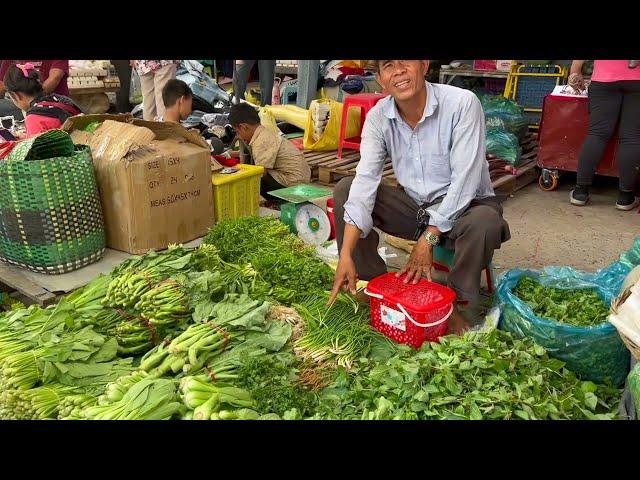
{"points": [[218, 333], [183, 303], [89, 83]]}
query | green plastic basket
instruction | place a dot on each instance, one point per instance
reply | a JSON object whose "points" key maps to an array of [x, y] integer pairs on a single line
{"points": [[301, 193], [50, 144], [50, 213]]}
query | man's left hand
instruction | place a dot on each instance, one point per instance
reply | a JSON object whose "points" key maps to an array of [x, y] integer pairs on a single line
{"points": [[420, 262]]}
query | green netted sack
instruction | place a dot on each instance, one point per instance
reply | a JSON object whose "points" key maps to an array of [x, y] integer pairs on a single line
{"points": [[503, 145], [514, 123], [50, 213]]}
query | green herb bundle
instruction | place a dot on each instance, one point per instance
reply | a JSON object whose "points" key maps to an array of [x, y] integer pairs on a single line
{"points": [[281, 259]]}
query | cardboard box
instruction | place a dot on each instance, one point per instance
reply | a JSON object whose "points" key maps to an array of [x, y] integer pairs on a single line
{"points": [[154, 180]]}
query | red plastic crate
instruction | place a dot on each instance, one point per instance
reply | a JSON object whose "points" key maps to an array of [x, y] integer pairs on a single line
{"points": [[409, 314], [485, 64]]}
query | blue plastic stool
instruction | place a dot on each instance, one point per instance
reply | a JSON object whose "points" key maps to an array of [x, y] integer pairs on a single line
{"points": [[443, 261]]}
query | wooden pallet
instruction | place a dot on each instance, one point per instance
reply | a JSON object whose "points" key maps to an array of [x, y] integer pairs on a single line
{"points": [[317, 160], [14, 278], [525, 174], [328, 169]]}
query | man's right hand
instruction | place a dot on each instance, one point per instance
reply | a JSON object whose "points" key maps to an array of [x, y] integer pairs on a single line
{"points": [[346, 277]]}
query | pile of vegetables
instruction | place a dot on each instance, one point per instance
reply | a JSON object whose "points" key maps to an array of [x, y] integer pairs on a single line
{"points": [[281, 259], [147, 399], [235, 321], [479, 376], [197, 334], [339, 333], [580, 308], [215, 401]]}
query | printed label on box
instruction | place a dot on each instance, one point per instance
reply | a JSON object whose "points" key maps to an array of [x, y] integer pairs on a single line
{"points": [[393, 318]]}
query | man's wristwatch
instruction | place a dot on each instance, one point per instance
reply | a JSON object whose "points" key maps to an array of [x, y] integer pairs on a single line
{"points": [[432, 238]]}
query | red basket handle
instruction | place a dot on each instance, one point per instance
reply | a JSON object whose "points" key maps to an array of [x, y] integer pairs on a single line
{"points": [[442, 320]]}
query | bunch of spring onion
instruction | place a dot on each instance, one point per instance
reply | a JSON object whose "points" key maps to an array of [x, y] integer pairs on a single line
{"points": [[35, 404], [71, 406], [147, 399], [339, 333], [208, 400]]}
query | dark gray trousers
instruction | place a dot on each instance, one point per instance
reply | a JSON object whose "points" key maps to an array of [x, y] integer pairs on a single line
{"points": [[266, 71], [475, 235]]}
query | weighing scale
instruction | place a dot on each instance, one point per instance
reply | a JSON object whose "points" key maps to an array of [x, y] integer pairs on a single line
{"points": [[302, 217]]}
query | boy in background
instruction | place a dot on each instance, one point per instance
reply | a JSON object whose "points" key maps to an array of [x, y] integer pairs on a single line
{"points": [[284, 164], [178, 101]]}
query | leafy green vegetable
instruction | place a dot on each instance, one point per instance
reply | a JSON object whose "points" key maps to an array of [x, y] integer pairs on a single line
{"points": [[281, 259], [272, 381], [479, 376], [580, 308]]}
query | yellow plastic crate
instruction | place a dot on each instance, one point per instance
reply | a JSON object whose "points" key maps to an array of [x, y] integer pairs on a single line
{"points": [[237, 194]]}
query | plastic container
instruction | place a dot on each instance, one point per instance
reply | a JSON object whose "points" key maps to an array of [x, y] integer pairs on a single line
{"points": [[237, 194], [409, 314]]}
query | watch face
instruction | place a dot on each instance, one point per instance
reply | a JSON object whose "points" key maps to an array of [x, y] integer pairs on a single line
{"points": [[432, 238]]}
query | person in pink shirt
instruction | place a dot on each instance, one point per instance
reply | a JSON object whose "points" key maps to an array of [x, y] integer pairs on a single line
{"points": [[614, 99], [43, 111]]}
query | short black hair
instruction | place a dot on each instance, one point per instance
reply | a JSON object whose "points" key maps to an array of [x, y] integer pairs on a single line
{"points": [[173, 90], [15, 81], [243, 113]]}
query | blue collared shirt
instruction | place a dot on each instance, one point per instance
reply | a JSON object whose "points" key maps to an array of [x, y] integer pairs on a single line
{"points": [[443, 156]]}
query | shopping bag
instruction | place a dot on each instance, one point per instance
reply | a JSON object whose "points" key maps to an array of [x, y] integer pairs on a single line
{"points": [[329, 138]]}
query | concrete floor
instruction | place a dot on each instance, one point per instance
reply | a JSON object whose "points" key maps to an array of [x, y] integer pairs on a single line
{"points": [[547, 230]]}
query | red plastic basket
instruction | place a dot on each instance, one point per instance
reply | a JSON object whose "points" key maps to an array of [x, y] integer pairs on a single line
{"points": [[409, 314]]}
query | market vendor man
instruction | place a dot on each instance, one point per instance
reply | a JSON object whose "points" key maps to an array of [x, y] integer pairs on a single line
{"points": [[435, 136], [284, 164]]}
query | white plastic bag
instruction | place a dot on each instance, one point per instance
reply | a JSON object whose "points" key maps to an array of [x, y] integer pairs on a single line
{"points": [[135, 90]]}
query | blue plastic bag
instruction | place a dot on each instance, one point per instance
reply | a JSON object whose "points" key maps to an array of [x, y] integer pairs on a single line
{"points": [[593, 353], [631, 257], [503, 145]]}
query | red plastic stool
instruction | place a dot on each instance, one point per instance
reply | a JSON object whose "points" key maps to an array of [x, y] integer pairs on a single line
{"points": [[366, 101]]}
